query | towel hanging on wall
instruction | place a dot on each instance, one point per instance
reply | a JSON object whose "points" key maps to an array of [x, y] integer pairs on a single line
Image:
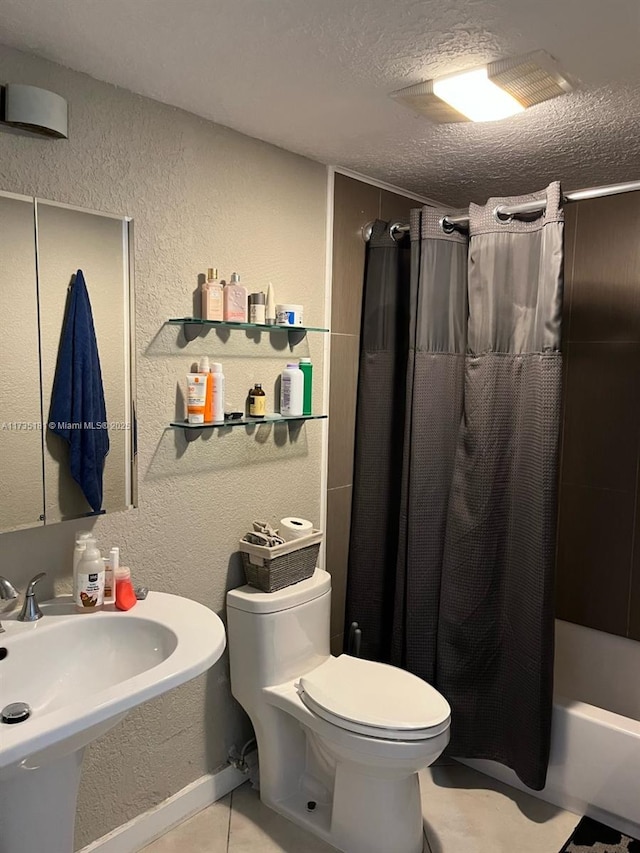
{"points": [[78, 412]]}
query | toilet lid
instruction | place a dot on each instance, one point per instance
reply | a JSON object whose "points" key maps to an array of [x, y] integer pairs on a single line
{"points": [[361, 695]]}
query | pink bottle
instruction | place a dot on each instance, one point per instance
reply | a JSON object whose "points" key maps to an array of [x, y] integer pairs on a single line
{"points": [[236, 302]]}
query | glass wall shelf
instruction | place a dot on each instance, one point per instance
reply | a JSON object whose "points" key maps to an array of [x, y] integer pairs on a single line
{"points": [[223, 324], [246, 421]]}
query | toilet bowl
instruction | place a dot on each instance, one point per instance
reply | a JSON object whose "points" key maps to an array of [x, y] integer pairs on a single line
{"points": [[340, 739]]}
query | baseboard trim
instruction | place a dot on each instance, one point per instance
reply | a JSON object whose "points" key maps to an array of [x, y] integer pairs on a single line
{"points": [[146, 827]]}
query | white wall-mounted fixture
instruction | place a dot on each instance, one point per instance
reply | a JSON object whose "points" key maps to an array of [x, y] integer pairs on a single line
{"points": [[35, 111], [161, 643], [494, 91]]}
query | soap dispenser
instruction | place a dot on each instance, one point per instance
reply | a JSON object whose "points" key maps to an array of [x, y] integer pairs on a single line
{"points": [[235, 301], [88, 581]]}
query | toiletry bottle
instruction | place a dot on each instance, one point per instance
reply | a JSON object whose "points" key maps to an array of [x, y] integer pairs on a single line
{"points": [[257, 402], [292, 391], [125, 595], [204, 299], [108, 582], [81, 543], [257, 303], [196, 397], [88, 586], [112, 564], [217, 392], [270, 307], [307, 369], [235, 301], [205, 369], [212, 307]]}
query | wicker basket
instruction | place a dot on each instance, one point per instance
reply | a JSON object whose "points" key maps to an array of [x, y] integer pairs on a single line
{"points": [[270, 569]]}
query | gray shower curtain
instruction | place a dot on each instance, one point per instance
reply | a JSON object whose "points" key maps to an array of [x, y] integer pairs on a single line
{"points": [[452, 548]]}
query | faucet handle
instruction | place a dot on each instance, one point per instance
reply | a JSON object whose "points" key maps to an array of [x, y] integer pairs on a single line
{"points": [[7, 589], [31, 586], [30, 609]]}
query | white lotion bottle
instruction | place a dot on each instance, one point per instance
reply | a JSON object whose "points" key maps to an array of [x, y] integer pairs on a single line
{"points": [[270, 307], [292, 391], [88, 581], [217, 390]]}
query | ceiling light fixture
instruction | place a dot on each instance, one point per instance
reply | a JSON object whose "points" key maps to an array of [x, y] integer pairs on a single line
{"points": [[30, 111], [477, 97], [494, 91]]}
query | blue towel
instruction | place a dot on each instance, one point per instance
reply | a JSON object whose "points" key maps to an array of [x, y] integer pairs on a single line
{"points": [[78, 413]]}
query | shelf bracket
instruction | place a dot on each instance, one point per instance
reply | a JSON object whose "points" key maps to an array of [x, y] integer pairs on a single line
{"points": [[191, 330]]}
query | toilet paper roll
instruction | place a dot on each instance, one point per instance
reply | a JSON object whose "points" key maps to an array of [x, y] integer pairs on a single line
{"points": [[294, 528]]}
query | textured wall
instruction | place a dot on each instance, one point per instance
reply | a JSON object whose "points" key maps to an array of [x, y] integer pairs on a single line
{"points": [[200, 195]]}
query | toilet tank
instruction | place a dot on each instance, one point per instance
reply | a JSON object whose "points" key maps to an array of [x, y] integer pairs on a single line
{"points": [[275, 637]]}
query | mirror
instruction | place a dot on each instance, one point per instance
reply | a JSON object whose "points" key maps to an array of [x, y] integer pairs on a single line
{"points": [[21, 496], [44, 244]]}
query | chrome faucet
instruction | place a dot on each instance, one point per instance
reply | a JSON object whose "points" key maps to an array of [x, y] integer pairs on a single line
{"points": [[8, 592], [30, 609]]}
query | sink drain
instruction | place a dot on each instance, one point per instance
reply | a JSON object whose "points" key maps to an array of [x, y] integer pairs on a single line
{"points": [[16, 712]]}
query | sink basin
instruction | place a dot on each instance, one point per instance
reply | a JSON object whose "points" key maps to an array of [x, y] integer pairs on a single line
{"points": [[80, 674]]}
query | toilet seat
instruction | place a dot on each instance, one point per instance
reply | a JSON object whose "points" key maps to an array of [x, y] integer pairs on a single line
{"points": [[374, 699]]}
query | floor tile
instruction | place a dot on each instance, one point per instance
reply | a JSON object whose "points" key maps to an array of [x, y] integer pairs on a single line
{"points": [[464, 812], [468, 812], [205, 832], [258, 829]]}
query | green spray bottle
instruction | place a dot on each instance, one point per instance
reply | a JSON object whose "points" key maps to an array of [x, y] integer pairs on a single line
{"points": [[307, 369]]}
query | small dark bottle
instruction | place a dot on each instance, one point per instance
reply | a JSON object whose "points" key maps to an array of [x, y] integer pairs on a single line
{"points": [[257, 402]]}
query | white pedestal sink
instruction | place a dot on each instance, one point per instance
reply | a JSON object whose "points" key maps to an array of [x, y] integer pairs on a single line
{"points": [[80, 674]]}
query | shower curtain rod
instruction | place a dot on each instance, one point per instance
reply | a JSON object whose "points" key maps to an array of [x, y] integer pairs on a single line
{"points": [[525, 207]]}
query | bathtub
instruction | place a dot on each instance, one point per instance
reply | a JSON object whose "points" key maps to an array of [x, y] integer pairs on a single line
{"points": [[594, 767]]}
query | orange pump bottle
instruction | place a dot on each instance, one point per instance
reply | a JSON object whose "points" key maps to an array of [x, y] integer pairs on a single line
{"points": [[205, 367], [125, 595]]}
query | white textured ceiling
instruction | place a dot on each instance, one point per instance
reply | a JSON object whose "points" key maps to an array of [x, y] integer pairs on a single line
{"points": [[314, 76]]}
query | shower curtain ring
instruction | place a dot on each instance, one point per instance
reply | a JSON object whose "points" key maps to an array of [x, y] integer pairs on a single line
{"points": [[367, 231], [501, 217], [447, 227], [396, 231]]}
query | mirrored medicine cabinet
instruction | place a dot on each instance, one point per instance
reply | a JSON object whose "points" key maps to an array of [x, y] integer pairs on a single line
{"points": [[42, 245]]}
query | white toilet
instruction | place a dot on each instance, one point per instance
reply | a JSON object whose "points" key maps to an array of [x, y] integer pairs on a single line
{"points": [[340, 740]]}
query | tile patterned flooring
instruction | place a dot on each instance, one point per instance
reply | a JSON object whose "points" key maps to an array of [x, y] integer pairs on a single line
{"points": [[465, 812]]}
